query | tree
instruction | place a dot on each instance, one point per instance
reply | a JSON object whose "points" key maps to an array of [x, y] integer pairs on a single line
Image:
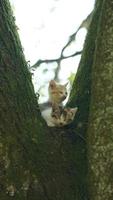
{"points": [[100, 130], [42, 163]]}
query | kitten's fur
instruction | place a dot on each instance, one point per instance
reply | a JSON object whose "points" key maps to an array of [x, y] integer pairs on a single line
{"points": [[57, 92], [59, 117], [56, 115], [63, 116]]}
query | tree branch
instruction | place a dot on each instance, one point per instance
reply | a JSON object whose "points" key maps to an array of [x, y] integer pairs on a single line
{"points": [[85, 23], [39, 62]]}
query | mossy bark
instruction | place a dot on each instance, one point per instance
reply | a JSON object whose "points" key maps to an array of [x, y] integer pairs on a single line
{"points": [[80, 97], [19, 115], [100, 131]]}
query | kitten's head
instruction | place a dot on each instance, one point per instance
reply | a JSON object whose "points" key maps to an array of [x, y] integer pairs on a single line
{"points": [[66, 117], [57, 92]]}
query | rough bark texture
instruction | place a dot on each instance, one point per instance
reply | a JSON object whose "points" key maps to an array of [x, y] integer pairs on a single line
{"points": [[80, 96], [81, 92], [19, 124], [100, 132]]}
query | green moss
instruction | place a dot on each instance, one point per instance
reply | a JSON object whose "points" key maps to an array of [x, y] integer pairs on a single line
{"points": [[80, 96]]}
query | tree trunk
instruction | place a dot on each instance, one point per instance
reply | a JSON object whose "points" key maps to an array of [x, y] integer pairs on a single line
{"points": [[100, 131], [19, 116]]}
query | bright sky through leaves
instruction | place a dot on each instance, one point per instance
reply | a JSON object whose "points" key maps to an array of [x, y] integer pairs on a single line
{"points": [[44, 28]]}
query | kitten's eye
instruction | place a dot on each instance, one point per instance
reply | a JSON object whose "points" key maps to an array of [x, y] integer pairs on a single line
{"points": [[61, 92]]}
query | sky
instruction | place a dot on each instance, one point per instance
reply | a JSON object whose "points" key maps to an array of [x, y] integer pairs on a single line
{"points": [[44, 28]]}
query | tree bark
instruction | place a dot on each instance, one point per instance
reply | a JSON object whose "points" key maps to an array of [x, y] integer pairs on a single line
{"points": [[19, 115], [80, 96], [100, 131]]}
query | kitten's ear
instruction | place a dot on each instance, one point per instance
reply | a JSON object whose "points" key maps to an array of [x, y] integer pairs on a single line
{"points": [[52, 84], [74, 110]]}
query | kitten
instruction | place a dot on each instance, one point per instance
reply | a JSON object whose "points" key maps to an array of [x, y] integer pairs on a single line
{"points": [[57, 92], [58, 116], [63, 116]]}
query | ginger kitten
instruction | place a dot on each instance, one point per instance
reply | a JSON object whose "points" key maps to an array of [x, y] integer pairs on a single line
{"points": [[57, 92]]}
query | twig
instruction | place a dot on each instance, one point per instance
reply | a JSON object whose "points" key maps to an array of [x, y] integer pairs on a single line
{"points": [[85, 23], [39, 62]]}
